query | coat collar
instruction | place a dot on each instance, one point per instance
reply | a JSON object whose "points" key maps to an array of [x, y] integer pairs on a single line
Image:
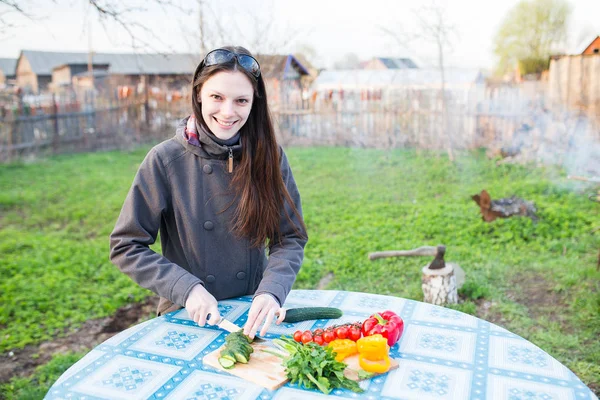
{"points": [[207, 147]]}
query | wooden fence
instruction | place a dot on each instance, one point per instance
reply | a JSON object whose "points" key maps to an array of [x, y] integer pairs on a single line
{"points": [[492, 117], [60, 128], [575, 81], [512, 120]]}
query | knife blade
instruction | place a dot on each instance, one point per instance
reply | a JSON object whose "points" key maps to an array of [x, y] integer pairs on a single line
{"points": [[227, 325], [230, 327]]}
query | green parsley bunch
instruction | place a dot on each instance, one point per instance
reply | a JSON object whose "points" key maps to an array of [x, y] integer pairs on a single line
{"points": [[313, 366]]}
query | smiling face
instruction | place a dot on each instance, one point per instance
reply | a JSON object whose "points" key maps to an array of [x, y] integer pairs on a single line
{"points": [[226, 99]]}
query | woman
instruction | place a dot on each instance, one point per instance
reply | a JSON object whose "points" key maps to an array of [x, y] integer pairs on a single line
{"points": [[218, 192]]}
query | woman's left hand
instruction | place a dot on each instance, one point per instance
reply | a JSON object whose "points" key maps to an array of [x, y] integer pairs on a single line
{"points": [[263, 309]]}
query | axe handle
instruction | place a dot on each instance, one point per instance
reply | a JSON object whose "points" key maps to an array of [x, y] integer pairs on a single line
{"points": [[420, 251]]}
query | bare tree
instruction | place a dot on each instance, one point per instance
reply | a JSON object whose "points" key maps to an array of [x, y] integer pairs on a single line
{"points": [[114, 11], [209, 32], [257, 29], [8, 7], [269, 37], [212, 30], [347, 61], [307, 51], [201, 30], [434, 28], [108, 12]]}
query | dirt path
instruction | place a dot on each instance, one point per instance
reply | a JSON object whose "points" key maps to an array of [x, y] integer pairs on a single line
{"points": [[21, 363]]}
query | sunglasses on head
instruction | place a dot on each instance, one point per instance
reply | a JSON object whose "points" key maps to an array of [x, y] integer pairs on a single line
{"points": [[222, 56]]}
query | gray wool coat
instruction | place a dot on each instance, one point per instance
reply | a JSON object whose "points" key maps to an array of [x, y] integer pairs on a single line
{"points": [[181, 190]]}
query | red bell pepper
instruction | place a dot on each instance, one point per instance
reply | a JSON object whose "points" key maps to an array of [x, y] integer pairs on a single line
{"points": [[387, 324]]}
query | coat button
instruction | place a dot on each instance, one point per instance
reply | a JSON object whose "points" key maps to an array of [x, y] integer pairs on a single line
{"points": [[210, 278], [208, 225], [207, 169], [241, 275]]}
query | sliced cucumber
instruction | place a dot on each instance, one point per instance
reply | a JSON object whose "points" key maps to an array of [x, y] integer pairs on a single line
{"points": [[226, 363], [308, 313], [237, 349], [227, 359], [241, 357]]}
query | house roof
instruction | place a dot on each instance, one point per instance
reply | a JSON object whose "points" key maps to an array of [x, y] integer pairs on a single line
{"points": [[42, 62], [307, 65], [94, 65], [577, 50], [415, 77], [276, 66], [8, 66], [96, 73], [580, 47], [586, 44], [397, 63]]}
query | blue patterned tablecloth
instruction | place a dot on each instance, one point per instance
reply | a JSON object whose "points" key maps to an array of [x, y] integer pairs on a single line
{"points": [[443, 354]]}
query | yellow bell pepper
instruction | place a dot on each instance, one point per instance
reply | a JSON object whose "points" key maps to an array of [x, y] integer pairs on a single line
{"points": [[343, 348], [373, 347], [378, 367], [374, 354]]}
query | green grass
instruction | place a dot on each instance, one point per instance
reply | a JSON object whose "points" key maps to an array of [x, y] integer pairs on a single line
{"points": [[36, 386], [56, 215]]}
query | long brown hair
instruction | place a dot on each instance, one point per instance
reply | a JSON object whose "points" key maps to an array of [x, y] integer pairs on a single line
{"points": [[257, 180]]}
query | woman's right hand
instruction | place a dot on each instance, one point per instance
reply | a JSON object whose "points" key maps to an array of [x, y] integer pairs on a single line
{"points": [[200, 304]]}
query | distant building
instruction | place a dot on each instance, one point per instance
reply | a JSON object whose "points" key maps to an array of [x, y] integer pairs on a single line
{"points": [[7, 70], [389, 63], [35, 70], [593, 47], [286, 77], [62, 75], [355, 89], [358, 79], [587, 47], [286, 80]]}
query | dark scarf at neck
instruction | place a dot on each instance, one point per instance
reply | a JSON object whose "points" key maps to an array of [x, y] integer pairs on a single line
{"points": [[213, 145], [223, 142]]}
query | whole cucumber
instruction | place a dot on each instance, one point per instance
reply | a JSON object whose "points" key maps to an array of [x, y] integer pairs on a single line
{"points": [[309, 313]]}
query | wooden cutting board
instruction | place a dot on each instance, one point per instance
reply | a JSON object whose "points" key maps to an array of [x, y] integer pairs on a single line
{"points": [[266, 370], [351, 371]]}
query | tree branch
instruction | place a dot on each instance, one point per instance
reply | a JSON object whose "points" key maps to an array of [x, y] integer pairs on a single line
{"points": [[12, 7], [109, 11]]}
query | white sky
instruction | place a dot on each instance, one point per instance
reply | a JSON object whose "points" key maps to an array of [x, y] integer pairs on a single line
{"points": [[332, 28]]}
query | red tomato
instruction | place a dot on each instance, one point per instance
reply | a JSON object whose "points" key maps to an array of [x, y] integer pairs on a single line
{"points": [[307, 337], [328, 336], [298, 336], [354, 333], [341, 332], [318, 331], [318, 339]]}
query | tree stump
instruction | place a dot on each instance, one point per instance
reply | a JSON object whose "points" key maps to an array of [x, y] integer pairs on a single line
{"points": [[503, 208], [439, 285]]}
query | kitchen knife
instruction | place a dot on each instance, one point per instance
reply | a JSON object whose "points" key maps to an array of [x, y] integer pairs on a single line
{"points": [[227, 325], [230, 327]]}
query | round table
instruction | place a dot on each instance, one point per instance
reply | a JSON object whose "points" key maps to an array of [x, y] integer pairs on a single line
{"points": [[443, 354]]}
